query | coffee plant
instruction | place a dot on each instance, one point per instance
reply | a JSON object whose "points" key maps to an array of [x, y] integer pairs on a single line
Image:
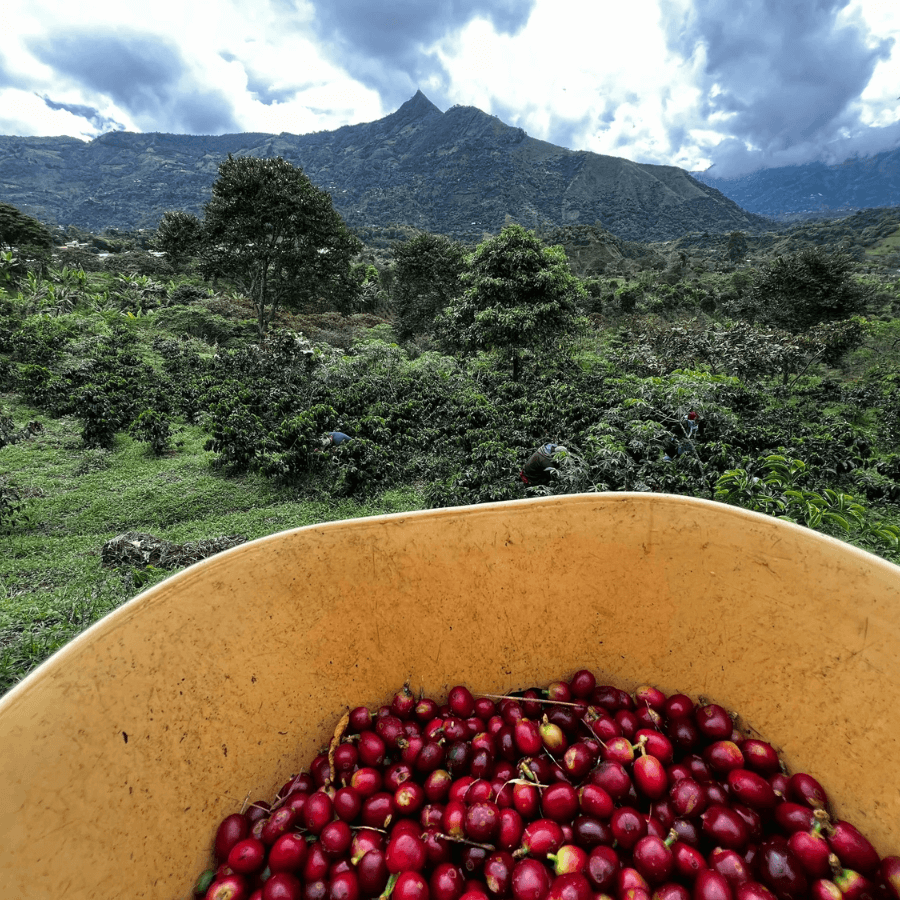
{"points": [[11, 507], [526, 369], [296, 450], [98, 421], [154, 428]]}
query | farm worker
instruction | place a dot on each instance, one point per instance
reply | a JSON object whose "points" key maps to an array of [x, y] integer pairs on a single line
{"points": [[690, 427], [541, 467], [691, 424], [333, 438]]}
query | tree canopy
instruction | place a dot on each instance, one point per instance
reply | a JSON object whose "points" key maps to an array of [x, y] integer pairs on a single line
{"points": [[799, 290], [518, 296], [21, 232], [277, 236], [24, 239], [178, 235], [426, 277]]}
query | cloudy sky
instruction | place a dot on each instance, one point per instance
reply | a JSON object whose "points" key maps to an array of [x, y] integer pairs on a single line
{"points": [[735, 83]]}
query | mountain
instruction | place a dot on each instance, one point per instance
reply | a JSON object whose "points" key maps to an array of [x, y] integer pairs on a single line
{"points": [[815, 189], [460, 172]]}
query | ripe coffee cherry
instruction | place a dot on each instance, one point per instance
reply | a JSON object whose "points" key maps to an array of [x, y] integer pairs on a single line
{"points": [[594, 795], [461, 702], [628, 826], [582, 683], [405, 853], [711, 885], [559, 802], [751, 789], [781, 871], [723, 825], [806, 790], [714, 722], [540, 837], [530, 880]]}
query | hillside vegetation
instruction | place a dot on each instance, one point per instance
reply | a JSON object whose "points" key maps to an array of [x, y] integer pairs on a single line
{"points": [[137, 396], [461, 172]]}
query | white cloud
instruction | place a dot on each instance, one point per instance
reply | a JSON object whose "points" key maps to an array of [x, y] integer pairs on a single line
{"points": [[627, 79], [598, 72]]}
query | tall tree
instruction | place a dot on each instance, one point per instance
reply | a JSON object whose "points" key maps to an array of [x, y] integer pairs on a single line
{"points": [[178, 235], [803, 289], [518, 296], [24, 241], [277, 236], [426, 277]]}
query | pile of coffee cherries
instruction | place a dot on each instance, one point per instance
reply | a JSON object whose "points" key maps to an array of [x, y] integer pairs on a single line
{"points": [[578, 791]]}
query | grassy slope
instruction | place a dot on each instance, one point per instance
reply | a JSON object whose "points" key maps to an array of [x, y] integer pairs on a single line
{"points": [[52, 584], [887, 247]]}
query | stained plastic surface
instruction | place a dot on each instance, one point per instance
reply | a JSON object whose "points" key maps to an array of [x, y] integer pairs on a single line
{"points": [[120, 755]]}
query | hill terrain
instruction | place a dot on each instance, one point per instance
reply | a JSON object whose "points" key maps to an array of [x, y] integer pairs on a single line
{"points": [[814, 190], [460, 172]]}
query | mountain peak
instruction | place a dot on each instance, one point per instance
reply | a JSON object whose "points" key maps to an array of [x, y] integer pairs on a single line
{"points": [[418, 106]]}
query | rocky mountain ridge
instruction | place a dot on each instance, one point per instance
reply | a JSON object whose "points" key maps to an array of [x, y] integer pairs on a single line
{"points": [[461, 172]]}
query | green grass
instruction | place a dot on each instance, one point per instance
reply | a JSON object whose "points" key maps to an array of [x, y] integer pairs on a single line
{"points": [[886, 246], [52, 584]]}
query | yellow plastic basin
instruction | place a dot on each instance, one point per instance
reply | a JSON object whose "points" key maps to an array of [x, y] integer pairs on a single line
{"points": [[119, 756]]}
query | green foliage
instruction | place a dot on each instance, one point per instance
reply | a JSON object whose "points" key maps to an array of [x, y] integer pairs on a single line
{"points": [[488, 475], [154, 428], [296, 444], [136, 262], [237, 437], [37, 339], [45, 389], [22, 240], [803, 289], [426, 277], [361, 466], [99, 424], [11, 507], [185, 294], [752, 352], [458, 430], [179, 235], [780, 490], [277, 236], [519, 296], [198, 321], [737, 246]]}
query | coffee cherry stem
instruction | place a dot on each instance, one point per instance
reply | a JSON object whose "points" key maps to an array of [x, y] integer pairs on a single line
{"points": [[335, 740], [389, 887], [530, 699], [245, 805], [460, 840]]}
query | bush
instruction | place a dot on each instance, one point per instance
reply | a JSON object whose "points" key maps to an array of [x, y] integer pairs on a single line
{"points": [[7, 429], [11, 506], [295, 450], [490, 474], [201, 323], [137, 262], [361, 467], [238, 437], [41, 387], [153, 428], [98, 424], [804, 289], [185, 294]]}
